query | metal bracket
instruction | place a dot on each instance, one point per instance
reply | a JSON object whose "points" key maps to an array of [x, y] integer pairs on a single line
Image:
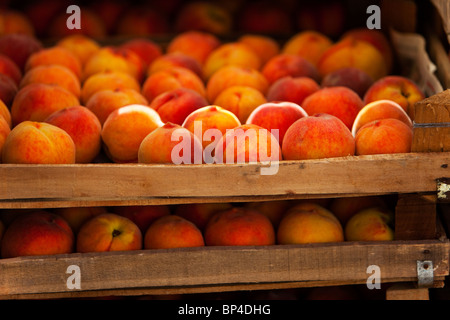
{"points": [[425, 273]]}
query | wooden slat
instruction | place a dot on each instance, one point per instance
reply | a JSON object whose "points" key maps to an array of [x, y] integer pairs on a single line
{"points": [[431, 139], [100, 183], [415, 217], [215, 266], [407, 291], [434, 109]]}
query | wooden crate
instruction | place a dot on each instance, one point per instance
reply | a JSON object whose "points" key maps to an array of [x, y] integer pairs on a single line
{"points": [[419, 236]]}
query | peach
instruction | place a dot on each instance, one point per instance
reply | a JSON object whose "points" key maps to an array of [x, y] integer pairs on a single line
{"points": [[10, 68], [232, 75], [176, 59], [399, 89], [38, 142], [340, 102], [380, 109], [197, 44], [210, 117], [163, 146], [53, 74], [317, 136], [371, 224], [264, 46], [377, 38], [125, 128], [55, 55], [37, 233], [5, 130], [309, 44], [200, 213], [239, 226], [141, 21], [356, 53], [384, 136], [276, 116], [37, 101], [82, 46], [175, 105], [5, 113], [13, 21], [264, 17], [350, 77], [169, 79], [285, 64], [345, 207], [19, 47], [147, 49], [92, 25], [172, 231], [104, 102], [274, 209], [169, 7], [41, 12], [328, 18], [108, 232], [109, 12], [203, 16], [113, 58], [77, 216], [230, 53], [8, 89], [111, 80], [83, 127], [247, 143], [309, 223], [142, 216], [240, 100], [292, 89]]}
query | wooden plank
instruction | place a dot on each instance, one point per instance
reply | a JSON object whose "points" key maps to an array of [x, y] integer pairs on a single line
{"points": [[93, 183], [407, 291], [169, 292], [214, 266], [431, 139], [431, 131], [433, 110], [415, 217]]}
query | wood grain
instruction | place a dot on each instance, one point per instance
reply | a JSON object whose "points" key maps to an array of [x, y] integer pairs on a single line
{"points": [[226, 266], [26, 186]]}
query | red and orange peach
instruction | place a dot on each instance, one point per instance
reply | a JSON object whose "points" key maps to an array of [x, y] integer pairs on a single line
{"points": [[239, 226], [83, 127], [173, 231], [317, 136], [32, 142], [125, 128], [340, 102]]}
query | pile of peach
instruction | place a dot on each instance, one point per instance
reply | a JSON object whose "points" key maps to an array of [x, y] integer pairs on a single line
{"points": [[314, 98], [121, 18], [124, 228], [81, 102]]}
